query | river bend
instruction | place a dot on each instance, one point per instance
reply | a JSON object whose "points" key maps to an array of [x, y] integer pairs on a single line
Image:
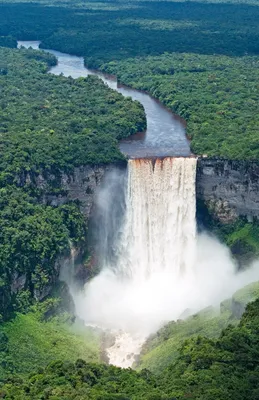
{"points": [[165, 134]]}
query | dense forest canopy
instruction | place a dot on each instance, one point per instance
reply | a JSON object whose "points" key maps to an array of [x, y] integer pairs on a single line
{"points": [[200, 59], [113, 31], [58, 122]]}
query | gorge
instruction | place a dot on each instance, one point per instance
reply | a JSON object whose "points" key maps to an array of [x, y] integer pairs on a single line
{"points": [[158, 230], [155, 249]]}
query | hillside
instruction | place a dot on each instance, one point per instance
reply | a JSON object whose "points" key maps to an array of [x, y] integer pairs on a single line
{"points": [[223, 368]]}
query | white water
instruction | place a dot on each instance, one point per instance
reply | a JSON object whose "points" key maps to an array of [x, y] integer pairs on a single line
{"points": [[163, 268], [155, 251], [159, 233]]}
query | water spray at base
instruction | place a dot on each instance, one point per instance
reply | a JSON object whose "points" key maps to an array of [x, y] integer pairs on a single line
{"points": [[159, 268]]}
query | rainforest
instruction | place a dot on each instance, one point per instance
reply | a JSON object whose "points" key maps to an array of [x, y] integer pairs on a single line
{"points": [[129, 179]]}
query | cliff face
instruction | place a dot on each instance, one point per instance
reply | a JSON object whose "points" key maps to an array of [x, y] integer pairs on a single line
{"points": [[229, 189], [79, 185]]}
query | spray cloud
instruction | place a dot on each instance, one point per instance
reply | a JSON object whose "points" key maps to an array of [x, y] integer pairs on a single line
{"points": [[155, 267]]}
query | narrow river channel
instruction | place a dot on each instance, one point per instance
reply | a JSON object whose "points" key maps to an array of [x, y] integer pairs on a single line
{"points": [[165, 134]]}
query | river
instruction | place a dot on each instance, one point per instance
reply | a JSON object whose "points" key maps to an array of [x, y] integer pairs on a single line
{"points": [[165, 134]]}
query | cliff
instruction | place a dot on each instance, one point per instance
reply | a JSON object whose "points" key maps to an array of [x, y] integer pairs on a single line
{"points": [[229, 189], [79, 185], [57, 189]]}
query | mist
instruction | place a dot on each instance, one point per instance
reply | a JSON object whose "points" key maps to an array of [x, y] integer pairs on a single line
{"points": [[155, 268], [141, 307]]}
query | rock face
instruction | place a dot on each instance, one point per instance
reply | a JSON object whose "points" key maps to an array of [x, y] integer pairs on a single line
{"points": [[229, 189], [79, 185]]}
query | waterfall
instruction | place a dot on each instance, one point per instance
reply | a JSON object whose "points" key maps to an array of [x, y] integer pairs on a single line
{"points": [[160, 225], [158, 241], [158, 269], [152, 259]]}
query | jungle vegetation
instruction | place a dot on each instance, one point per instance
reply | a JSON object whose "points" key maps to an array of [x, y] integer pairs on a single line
{"points": [[36, 338], [51, 122], [199, 59], [48, 125], [205, 368]]}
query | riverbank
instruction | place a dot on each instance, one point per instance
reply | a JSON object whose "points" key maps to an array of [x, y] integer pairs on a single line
{"points": [[165, 133]]}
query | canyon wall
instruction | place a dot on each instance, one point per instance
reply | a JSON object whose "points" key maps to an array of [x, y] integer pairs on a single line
{"points": [[229, 189]]}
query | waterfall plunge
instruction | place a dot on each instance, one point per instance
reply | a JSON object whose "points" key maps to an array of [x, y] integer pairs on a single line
{"points": [[160, 226], [155, 255], [154, 268]]}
